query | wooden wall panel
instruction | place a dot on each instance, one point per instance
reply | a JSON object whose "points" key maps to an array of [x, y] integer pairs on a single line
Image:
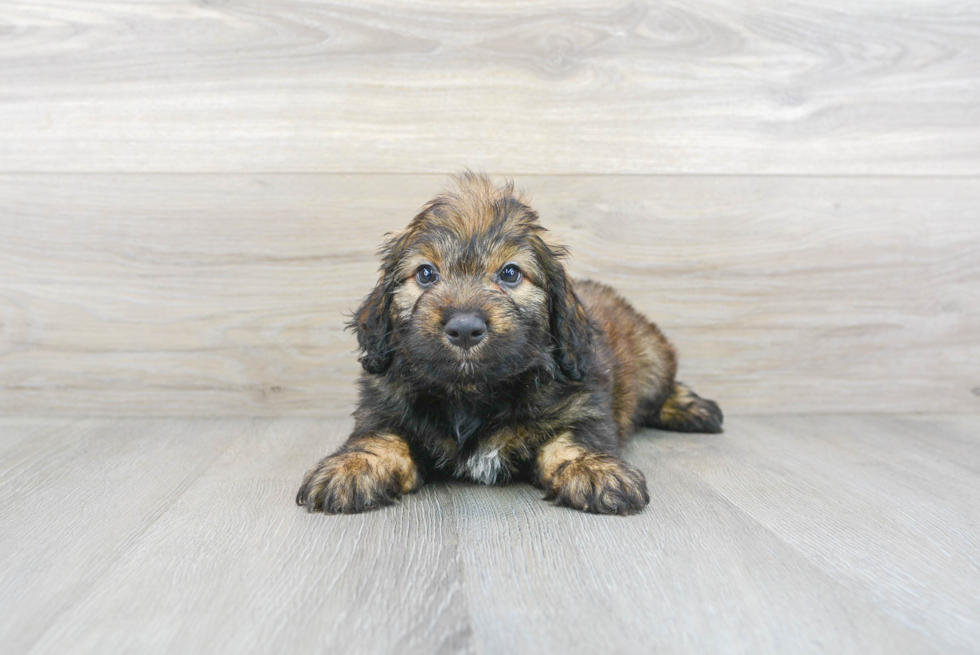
{"points": [[522, 87], [191, 193], [225, 294]]}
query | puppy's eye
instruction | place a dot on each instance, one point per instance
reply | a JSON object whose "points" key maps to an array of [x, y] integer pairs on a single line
{"points": [[426, 275], [510, 274]]}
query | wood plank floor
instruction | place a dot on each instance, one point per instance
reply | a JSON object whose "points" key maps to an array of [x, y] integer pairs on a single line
{"points": [[802, 534]]}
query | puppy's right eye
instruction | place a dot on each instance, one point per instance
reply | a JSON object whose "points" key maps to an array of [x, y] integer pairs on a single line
{"points": [[426, 275]]}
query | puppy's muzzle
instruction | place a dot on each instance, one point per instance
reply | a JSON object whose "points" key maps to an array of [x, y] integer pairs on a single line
{"points": [[465, 330]]}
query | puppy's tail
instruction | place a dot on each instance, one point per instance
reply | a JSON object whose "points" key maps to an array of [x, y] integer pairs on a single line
{"points": [[685, 411]]}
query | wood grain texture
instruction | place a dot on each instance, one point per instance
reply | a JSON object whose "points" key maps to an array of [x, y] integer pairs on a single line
{"points": [[527, 86], [868, 502], [801, 534], [76, 497], [691, 574], [21, 428], [236, 567], [226, 294]]}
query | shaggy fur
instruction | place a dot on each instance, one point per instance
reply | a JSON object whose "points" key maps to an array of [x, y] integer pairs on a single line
{"points": [[563, 374]]}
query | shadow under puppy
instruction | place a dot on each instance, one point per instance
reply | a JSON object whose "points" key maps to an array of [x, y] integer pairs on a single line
{"points": [[484, 360]]}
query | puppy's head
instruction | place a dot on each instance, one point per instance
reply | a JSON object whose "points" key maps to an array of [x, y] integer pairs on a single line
{"points": [[470, 292]]}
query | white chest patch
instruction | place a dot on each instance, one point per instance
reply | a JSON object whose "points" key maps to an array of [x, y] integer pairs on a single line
{"points": [[485, 466]]}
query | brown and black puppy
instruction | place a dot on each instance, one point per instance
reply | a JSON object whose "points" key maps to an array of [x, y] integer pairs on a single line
{"points": [[483, 360]]}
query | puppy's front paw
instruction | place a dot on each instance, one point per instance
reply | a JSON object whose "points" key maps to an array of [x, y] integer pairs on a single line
{"points": [[598, 483], [363, 476]]}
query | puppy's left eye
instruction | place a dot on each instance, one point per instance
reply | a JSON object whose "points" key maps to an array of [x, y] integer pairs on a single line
{"points": [[510, 274]]}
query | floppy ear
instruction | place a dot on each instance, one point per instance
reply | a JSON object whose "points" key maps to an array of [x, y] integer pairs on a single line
{"points": [[571, 329], [372, 322], [372, 326]]}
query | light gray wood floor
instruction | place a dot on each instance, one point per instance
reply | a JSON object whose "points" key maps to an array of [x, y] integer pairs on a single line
{"points": [[832, 534]]}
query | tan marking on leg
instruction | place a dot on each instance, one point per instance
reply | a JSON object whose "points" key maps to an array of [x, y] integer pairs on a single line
{"points": [[392, 456], [576, 477], [678, 405], [553, 454], [365, 473], [685, 411]]}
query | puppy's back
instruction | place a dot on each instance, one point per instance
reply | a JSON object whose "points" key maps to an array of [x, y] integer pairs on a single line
{"points": [[642, 361]]}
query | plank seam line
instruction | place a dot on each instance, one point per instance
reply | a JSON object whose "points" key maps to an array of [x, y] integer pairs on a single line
{"points": [[132, 539], [68, 425], [463, 578], [884, 612]]}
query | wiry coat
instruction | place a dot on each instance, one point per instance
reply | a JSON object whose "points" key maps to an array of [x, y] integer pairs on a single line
{"points": [[564, 373]]}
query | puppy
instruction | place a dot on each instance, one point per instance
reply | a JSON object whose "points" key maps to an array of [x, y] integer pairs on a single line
{"points": [[483, 360]]}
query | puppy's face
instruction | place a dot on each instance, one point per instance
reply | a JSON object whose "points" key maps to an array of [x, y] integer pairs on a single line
{"points": [[471, 293], [471, 300]]}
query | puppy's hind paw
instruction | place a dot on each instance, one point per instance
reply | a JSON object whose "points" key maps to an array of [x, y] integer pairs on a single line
{"points": [[685, 411]]}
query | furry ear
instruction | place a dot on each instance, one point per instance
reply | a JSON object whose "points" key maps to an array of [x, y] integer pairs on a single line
{"points": [[571, 329], [372, 322], [372, 326]]}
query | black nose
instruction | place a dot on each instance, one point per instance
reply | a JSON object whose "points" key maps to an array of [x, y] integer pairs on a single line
{"points": [[465, 330]]}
